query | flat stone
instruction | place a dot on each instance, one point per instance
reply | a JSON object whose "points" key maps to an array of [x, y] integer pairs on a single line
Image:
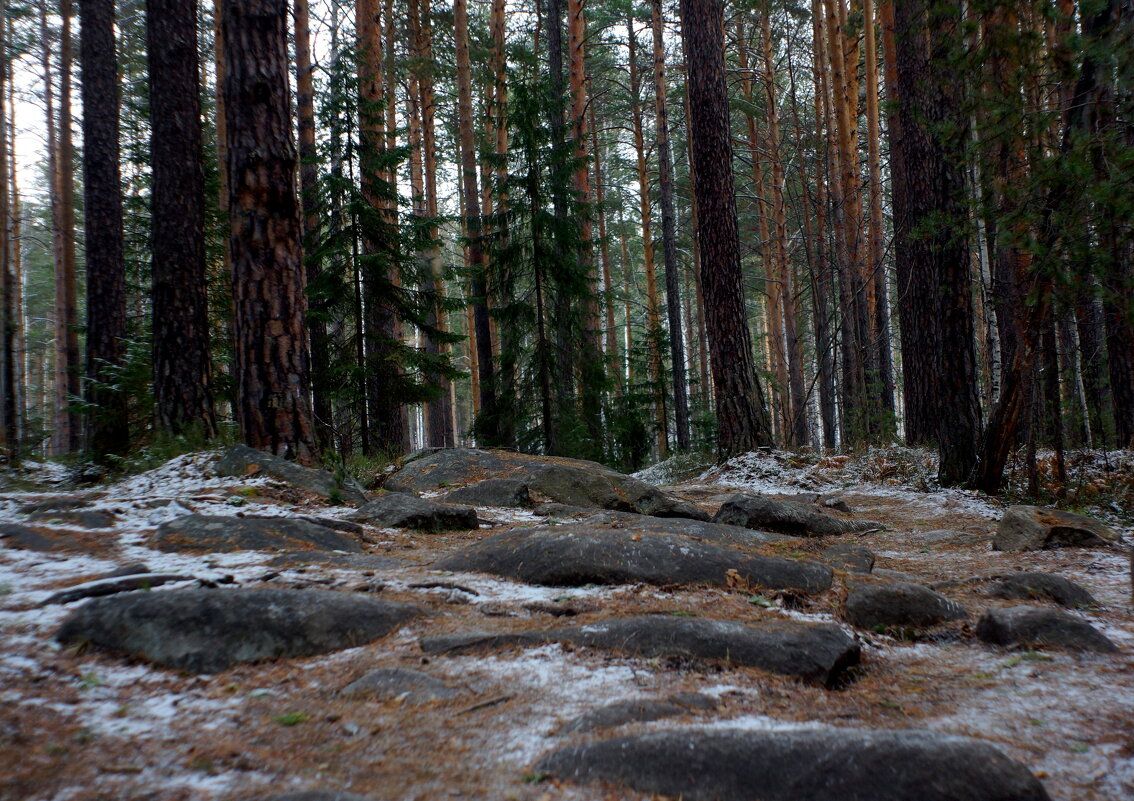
{"points": [[577, 554], [505, 492], [56, 503], [818, 654], [573, 482], [17, 535], [221, 534], [112, 586], [355, 561], [82, 518], [399, 510], [414, 686], [209, 630], [1030, 528], [241, 460], [786, 517], [848, 556], [898, 604], [1036, 627], [637, 710], [819, 765], [696, 529], [1041, 587]]}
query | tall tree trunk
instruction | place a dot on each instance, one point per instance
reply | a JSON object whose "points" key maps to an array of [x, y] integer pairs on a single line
{"points": [[182, 375], [21, 372], [742, 418], [653, 304], [669, 234], [488, 421], [9, 397], [108, 428], [272, 358], [312, 228], [613, 359]]}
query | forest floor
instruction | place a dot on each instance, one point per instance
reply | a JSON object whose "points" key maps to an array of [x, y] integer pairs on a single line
{"points": [[96, 725]]}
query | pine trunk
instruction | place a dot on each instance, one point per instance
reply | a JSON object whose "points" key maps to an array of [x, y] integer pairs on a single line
{"points": [[272, 359], [742, 418]]}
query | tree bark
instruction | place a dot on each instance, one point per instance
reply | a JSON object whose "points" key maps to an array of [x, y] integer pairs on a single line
{"points": [[108, 428], [182, 375], [742, 418], [272, 359], [9, 396]]}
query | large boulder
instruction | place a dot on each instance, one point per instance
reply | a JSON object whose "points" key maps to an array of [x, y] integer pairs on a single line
{"points": [[898, 604], [209, 630], [685, 527], [638, 710], [568, 481], [816, 653], [505, 492], [786, 517], [577, 554], [1036, 627], [218, 533], [805, 765], [399, 510], [241, 460], [1030, 528], [17, 535], [1041, 587]]}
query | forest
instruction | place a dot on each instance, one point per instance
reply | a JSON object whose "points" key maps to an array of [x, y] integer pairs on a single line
{"points": [[609, 230]]}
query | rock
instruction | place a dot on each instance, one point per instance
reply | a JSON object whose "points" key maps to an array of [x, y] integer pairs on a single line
{"points": [[399, 510], [206, 630], [241, 460], [385, 683], [132, 569], [849, 557], [1041, 587], [819, 765], [1035, 627], [946, 536], [79, 517], [16, 535], [506, 492], [898, 604], [354, 561], [112, 586], [221, 534], [638, 710], [818, 654], [568, 481], [785, 517], [576, 554], [697, 529], [56, 503], [1029, 528]]}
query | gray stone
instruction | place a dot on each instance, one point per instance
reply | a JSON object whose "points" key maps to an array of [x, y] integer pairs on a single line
{"points": [[946, 536], [17, 535], [848, 556], [353, 561], [220, 534], [898, 605], [696, 529], [1030, 528], [785, 517], [414, 686], [399, 510], [506, 492], [637, 710], [241, 460], [209, 630], [112, 586], [819, 765], [83, 518], [819, 654], [1036, 627], [573, 482], [578, 554], [56, 503], [1041, 587]]}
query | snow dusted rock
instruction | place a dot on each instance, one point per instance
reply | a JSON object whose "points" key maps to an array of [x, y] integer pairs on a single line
{"points": [[1041, 587], [568, 481], [849, 557], [112, 586], [638, 710], [505, 492], [1029, 528], [819, 765], [207, 631], [399, 510], [241, 460], [57, 503], [17, 535], [221, 534], [83, 518], [898, 604], [785, 517], [814, 653], [1035, 627], [577, 554], [414, 686], [697, 529]]}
